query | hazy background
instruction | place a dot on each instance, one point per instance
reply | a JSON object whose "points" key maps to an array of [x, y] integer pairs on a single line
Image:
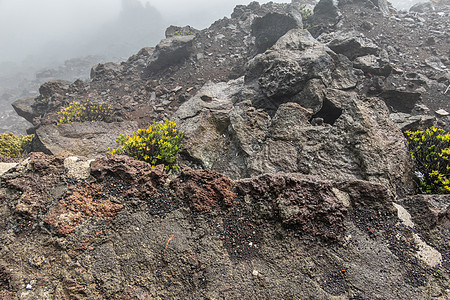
{"points": [[55, 30], [42, 40]]}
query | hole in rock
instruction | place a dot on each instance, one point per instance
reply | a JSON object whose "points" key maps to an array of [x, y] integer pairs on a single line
{"points": [[329, 112]]}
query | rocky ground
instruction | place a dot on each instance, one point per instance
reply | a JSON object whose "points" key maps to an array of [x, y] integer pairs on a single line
{"points": [[296, 182]]}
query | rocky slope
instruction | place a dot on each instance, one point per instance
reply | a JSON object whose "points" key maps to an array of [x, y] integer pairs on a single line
{"points": [[295, 184]]}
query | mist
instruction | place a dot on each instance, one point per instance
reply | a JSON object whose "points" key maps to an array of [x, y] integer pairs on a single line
{"points": [[48, 31], [51, 31]]}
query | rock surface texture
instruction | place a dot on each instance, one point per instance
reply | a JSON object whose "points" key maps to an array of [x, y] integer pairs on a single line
{"points": [[295, 179]]}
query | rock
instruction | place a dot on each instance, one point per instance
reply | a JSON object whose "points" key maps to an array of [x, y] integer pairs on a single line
{"points": [[204, 190], [350, 43], [268, 29], [312, 95], [373, 65], [400, 101], [295, 59], [442, 112], [204, 119], [422, 7], [428, 211], [327, 11], [77, 168], [300, 201], [435, 63], [172, 31], [130, 219], [406, 122], [105, 71], [5, 167], [24, 108], [53, 87], [84, 139], [249, 126], [170, 51]]}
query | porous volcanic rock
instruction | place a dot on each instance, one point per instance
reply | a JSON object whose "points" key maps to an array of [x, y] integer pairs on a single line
{"points": [[132, 231]]}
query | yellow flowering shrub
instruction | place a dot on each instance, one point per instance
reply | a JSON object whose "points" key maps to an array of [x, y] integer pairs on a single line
{"points": [[430, 149], [158, 144], [86, 112], [12, 145]]}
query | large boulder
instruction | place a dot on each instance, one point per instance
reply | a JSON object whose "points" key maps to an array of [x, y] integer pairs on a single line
{"points": [[85, 139], [295, 59], [170, 51], [269, 28], [24, 108], [347, 138], [293, 113]]}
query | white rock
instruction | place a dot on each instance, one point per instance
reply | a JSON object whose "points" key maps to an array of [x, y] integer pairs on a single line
{"points": [[442, 112], [5, 167], [77, 168]]}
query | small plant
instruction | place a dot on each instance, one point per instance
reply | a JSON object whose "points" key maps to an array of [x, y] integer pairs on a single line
{"points": [[86, 112], [183, 32], [306, 12], [430, 149], [158, 144], [12, 145]]}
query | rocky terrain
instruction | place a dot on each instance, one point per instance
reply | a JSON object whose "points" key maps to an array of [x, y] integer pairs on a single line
{"points": [[295, 180]]}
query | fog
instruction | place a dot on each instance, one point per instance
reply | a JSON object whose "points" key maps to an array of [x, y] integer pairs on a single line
{"points": [[48, 32], [54, 30]]}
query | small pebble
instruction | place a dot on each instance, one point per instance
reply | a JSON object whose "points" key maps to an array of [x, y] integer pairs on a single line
{"points": [[28, 287], [255, 273]]}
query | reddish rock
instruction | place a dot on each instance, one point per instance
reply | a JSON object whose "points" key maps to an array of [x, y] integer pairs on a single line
{"points": [[83, 202], [204, 190]]}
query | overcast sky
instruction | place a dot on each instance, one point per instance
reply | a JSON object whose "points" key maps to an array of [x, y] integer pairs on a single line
{"points": [[61, 29], [29, 26]]}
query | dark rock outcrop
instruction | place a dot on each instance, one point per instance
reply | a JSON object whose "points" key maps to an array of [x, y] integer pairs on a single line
{"points": [[98, 237]]}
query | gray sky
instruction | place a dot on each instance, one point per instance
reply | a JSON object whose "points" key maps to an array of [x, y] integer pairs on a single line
{"points": [[62, 29], [30, 27]]}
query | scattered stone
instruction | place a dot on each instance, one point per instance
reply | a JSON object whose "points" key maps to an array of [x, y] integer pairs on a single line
{"points": [[442, 112]]}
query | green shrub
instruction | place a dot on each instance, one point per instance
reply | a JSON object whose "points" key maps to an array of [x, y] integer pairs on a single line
{"points": [[183, 32], [86, 112], [12, 145], [158, 144], [430, 149]]}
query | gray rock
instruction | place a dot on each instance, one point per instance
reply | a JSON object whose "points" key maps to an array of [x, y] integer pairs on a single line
{"points": [[373, 64], [24, 108], [205, 118], [355, 140], [400, 101], [269, 28], [295, 59], [412, 123], [249, 127], [80, 139], [53, 87], [422, 7], [107, 70], [428, 211], [349, 43], [442, 112], [311, 96], [169, 52], [327, 11]]}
